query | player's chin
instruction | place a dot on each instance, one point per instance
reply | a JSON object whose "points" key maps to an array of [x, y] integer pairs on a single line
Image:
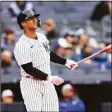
{"points": [[35, 27]]}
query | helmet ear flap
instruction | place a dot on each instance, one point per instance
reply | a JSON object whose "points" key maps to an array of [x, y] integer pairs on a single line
{"points": [[20, 26], [19, 23], [19, 20], [39, 23]]}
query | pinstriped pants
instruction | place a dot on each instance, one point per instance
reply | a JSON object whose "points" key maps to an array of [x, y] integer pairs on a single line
{"points": [[39, 96]]}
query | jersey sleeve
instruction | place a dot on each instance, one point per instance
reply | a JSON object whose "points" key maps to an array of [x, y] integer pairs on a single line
{"points": [[22, 54], [46, 38], [47, 41]]}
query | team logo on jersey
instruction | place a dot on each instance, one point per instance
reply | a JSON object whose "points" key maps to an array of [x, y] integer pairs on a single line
{"points": [[46, 46]]}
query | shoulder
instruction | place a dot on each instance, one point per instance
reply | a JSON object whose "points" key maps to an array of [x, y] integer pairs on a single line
{"points": [[22, 43], [78, 100], [62, 101], [62, 104], [42, 36], [20, 40]]}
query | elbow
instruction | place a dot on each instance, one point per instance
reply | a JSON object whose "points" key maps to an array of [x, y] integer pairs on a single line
{"points": [[28, 71]]}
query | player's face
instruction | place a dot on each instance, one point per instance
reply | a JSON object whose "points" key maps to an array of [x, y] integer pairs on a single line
{"points": [[30, 23], [8, 99], [69, 94]]}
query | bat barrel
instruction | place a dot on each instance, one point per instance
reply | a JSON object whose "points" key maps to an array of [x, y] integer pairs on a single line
{"points": [[95, 54], [108, 47]]}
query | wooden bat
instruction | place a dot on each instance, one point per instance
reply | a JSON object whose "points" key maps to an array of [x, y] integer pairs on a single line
{"points": [[96, 54]]}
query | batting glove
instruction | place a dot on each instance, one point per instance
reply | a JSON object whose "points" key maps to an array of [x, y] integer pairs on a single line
{"points": [[55, 80], [71, 64]]}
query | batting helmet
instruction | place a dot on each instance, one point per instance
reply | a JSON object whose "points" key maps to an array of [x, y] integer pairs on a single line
{"points": [[25, 15]]}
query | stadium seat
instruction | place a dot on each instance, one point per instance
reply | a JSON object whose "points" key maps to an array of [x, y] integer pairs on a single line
{"points": [[88, 67], [106, 107], [14, 107]]}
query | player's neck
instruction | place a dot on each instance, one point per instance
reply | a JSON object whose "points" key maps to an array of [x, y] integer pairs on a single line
{"points": [[30, 33]]}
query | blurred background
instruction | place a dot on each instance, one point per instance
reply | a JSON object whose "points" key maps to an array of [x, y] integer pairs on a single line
{"points": [[75, 31]]}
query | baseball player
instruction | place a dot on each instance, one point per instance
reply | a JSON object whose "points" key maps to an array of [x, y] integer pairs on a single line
{"points": [[33, 55]]}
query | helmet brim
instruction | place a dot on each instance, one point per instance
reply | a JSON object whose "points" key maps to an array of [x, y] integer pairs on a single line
{"points": [[36, 15]]}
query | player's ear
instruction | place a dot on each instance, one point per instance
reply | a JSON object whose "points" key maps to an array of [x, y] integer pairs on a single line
{"points": [[23, 24]]}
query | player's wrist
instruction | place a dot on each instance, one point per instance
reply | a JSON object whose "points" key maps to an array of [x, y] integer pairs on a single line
{"points": [[71, 64], [49, 77], [67, 61]]}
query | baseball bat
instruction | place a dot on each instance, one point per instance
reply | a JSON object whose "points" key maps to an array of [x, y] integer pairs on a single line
{"points": [[96, 54]]}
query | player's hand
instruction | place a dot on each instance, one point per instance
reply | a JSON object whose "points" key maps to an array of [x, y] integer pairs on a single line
{"points": [[55, 80], [71, 64]]}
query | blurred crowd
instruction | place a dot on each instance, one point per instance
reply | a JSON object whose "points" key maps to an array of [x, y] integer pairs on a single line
{"points": [[75, 44], [70, 101], [79, 45], [7, 96], [72, 45]]}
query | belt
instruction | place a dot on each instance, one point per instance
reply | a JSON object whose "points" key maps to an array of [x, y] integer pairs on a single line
{"points": [[32, 77]]}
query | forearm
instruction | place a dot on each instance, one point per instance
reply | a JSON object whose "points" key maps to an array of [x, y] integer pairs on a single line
{"points": [[57, 59], [29, 69]]}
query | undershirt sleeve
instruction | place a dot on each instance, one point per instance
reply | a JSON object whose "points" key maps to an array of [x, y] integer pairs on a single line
{"points": [[29, 69], [57, 59]]}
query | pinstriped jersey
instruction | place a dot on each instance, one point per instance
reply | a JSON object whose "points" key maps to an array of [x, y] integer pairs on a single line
{"points": [[33, 50]]}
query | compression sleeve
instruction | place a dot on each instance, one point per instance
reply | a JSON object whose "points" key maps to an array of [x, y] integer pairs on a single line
{"points": [[29, 69], [57, 59]]}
